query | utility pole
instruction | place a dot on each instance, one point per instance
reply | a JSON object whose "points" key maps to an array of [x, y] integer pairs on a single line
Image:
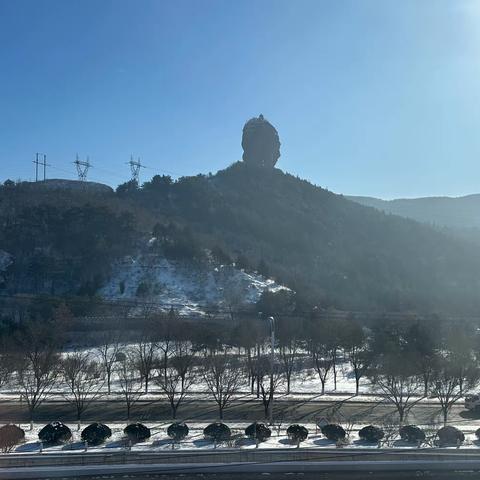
{"points": [[42, 163], [135, 167], [82, 168]]}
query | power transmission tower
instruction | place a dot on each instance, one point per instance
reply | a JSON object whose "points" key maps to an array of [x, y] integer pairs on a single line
{"points": [[42, 163], [82, 168], [135, 167]]}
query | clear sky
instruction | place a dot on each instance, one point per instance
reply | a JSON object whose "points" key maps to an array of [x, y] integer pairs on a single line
{"points": [[370, 97]]}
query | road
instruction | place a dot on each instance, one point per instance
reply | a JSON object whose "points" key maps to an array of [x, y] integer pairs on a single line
{"points": [[398, 469], [285, 410]]}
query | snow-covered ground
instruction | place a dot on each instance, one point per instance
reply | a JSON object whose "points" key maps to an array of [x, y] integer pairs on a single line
{"points": [[188, 285], [195, 440]]}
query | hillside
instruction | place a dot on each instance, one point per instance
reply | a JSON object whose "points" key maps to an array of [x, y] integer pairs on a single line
{"points": [[452, 212], [332, 251]]}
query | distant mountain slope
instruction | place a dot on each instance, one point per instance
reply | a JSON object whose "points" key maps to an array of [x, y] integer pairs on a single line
{"points": [[330, 250], [452, 212]]}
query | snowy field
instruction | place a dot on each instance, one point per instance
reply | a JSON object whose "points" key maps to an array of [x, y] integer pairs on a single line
{"points": [[196, 441]]}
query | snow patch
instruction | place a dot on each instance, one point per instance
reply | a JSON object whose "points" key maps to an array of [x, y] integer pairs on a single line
{"points": [[187, 286]]}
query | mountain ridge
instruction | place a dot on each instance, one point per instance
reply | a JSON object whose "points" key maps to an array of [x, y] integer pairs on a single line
{"points": [[330, 250]]}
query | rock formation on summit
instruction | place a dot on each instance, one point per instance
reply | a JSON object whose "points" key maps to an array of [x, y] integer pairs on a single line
{"points": [[260, 143]]}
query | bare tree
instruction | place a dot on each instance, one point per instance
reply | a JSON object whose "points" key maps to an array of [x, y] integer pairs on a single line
{"points": [[322, 362], [166, 333], [37, 363], [129, 383], [83, 379], [179, 377], [397, 379], [7, 367], [267, 387], [289, 360], [144, 357], [108, 351], [450, 381], [223, 377], [355, 344]]}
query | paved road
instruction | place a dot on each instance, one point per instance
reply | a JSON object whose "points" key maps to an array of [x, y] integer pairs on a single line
{"points": [[243, 471], [240, 410]]}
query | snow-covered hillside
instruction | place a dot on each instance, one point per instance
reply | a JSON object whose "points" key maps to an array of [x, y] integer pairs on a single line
{"points": [[190, 287]]}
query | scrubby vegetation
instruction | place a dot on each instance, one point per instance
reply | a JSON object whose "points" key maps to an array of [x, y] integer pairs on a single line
{"points": [[333, 432], [55, 432], [297, 433], [412, 434], [96, 433], [450, 435], [371, 434], [258, 431], [137, 432], [217, 432], [10, 437], [177, 431]]}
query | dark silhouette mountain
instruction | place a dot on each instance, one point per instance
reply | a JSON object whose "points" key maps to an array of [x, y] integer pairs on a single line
{"points": [[452, 212], [330, 250]]}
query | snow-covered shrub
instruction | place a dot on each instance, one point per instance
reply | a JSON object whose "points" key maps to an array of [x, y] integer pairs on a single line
{"points": [[55, 432], [258, 431], [177, 431], [10, 435], [333, 432], [371, 434], [412, 434], [450, 435], [297, 433], [96, 433], [137, 432], [218, 432]]}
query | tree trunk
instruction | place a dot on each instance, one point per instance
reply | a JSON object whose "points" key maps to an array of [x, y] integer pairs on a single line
{"points": [[109, 380], [334, 357]]}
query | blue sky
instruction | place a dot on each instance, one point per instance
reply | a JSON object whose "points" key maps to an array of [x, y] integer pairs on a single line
{"points": [[369, 97]]}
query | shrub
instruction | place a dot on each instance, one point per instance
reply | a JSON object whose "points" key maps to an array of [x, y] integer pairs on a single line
{"points": [[333, 432], [450, 435], [10, 435], [412, 434], [371, 434], [477, 433], [218, 432], [55, 432], [177, 431], [297, 433], [96, 433], [258, 431], [137, 432]]}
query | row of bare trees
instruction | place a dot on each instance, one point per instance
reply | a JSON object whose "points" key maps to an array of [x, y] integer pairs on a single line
{"points": [[405, 361]]}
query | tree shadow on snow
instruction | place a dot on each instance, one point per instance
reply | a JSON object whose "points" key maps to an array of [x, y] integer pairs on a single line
{"points": [[74, 446], [324, 442], [286, 441], [123, 442], [162, 442], [28, 447]]}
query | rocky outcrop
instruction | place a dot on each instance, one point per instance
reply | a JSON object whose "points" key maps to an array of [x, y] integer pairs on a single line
{"points": [[260, 143]]}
